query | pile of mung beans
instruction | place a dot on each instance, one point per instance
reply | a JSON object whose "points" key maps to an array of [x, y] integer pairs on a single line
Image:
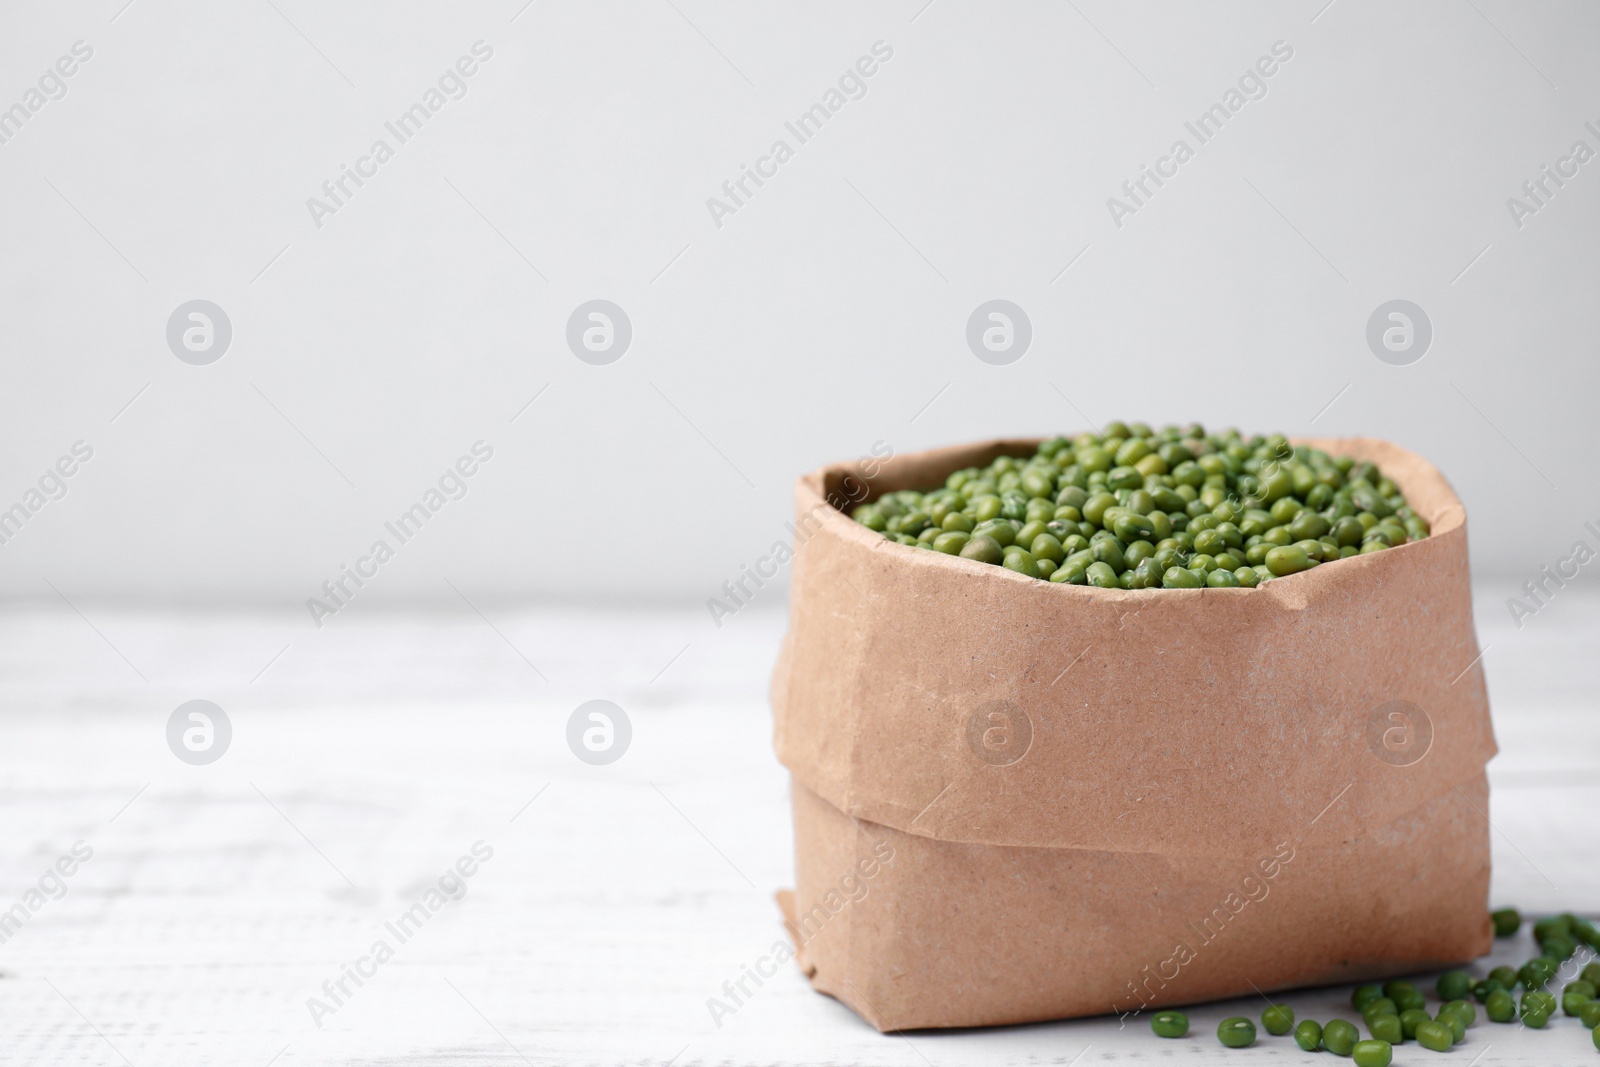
{"points": [[1397, 1011], [1136, 508]]}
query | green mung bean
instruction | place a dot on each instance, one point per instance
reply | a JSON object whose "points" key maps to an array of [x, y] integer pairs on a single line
{"points": [[1507, 921], [1463, 1008], [1364, 995], [1536, 1008], [983, 548], [1435, 1036], [1278, 1019], [1102, 576], [1409, 997], [1020, 561], [1236, 1032], [1372, 1053], [1501, 1007], [1339, 1036], [1551, 924], [1483, 987], [1558, 947], [1453, 985], [1538, 971], [1381, 1006], [1386, 1027]]}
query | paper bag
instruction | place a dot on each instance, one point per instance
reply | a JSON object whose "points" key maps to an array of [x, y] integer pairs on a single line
{"points": [[1016, 800]]}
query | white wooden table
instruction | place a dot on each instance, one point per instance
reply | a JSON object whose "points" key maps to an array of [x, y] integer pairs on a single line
{"points": [[372, 754]]}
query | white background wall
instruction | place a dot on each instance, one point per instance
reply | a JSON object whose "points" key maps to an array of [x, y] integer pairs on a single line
{"points": [[827, 314]]}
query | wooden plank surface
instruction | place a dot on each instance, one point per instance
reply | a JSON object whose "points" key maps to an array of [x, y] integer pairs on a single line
{"points": [[372, 755]]}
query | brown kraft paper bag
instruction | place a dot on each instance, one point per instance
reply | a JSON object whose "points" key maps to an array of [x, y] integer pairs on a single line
{"points": [[1017, 800]]}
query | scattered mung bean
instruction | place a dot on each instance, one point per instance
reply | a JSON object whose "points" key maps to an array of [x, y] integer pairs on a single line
{"points": [[1453, 985], [1278, 1019], [1507, 921], [1308, 1034], [1339, 1037], [1372, 1053], [1236, 1032], [1501, 1007], [1386, 1027], [1435, 1036]]}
